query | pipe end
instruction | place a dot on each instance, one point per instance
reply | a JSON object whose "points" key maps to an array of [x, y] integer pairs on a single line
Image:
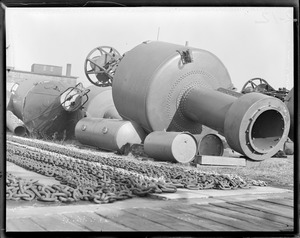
{"points": [[20, 131], [257, 126]]}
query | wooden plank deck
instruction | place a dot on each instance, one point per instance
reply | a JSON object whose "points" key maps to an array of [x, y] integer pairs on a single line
{"points": [[268, 218], [167, 221], [93, 222], [289, 203], [267, 214], [22, 224]]}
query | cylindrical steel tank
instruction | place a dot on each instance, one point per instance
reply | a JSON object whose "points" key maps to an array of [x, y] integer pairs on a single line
{"points": [[108, 134], [45, 106], [253, 124], [94, 91], [100, 103], [151, 79], [14, 124], [210, 144], [164, 86], [171, 146]]}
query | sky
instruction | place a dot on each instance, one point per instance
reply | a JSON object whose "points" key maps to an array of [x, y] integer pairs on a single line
{"points": [[251, 42]]}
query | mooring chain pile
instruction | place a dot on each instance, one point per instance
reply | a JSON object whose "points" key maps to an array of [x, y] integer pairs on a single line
{"points": [[178, 176], [82, 180], [28, 190]]}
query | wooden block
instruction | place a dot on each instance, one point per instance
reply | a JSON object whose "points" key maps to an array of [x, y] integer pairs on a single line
{"points": [[180, 194], [220, 160]]}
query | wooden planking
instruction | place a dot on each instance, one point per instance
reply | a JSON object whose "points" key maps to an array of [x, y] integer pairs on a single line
{"points": [[55, 222], [257, 213], [170, 223], [132, 221], [235, 222], [191, 218], [258, 221], [22, 224], [285, 202], [213, 216], [269, 208], [94, 222]]}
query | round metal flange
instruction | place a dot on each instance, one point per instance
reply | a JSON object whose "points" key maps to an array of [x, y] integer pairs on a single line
{"points": [[256, 135], [257, 126]]}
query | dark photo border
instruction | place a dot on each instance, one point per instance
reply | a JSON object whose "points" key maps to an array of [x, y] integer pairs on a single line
{"points": [[145, 3]]}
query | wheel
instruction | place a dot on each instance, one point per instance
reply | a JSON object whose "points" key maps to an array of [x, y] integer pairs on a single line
{"points": [[257, 85], [100, 65]]}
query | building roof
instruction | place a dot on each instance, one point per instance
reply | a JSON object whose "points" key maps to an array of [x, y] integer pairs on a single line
{"points": [[11, 69]]}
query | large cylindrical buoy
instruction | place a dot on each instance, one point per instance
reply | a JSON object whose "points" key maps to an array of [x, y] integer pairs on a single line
{"points": [[100, 103], [108, 134], [45, 106], [171, 146], [170, 87]]}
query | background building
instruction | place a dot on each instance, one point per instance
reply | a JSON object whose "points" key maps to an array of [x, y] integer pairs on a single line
{"points": [[40, 72]]}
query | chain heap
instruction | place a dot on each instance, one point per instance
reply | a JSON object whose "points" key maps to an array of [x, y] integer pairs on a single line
{"points": [[116, 177], [95, 182], [17, 188]]}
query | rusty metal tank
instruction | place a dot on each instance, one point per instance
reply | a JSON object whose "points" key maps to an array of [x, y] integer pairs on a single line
{"points": [[47, 107], [100, 103], [108, 134], [170, 87]]}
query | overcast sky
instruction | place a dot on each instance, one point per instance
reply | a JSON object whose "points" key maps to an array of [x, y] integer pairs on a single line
{"points": [[251, 42]]}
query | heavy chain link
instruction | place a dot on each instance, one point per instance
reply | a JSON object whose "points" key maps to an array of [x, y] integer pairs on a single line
{"points": [[117, 177], [99, 183]]}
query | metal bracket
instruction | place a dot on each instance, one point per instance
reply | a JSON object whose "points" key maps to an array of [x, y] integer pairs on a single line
{"points": [[186, 56]]}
